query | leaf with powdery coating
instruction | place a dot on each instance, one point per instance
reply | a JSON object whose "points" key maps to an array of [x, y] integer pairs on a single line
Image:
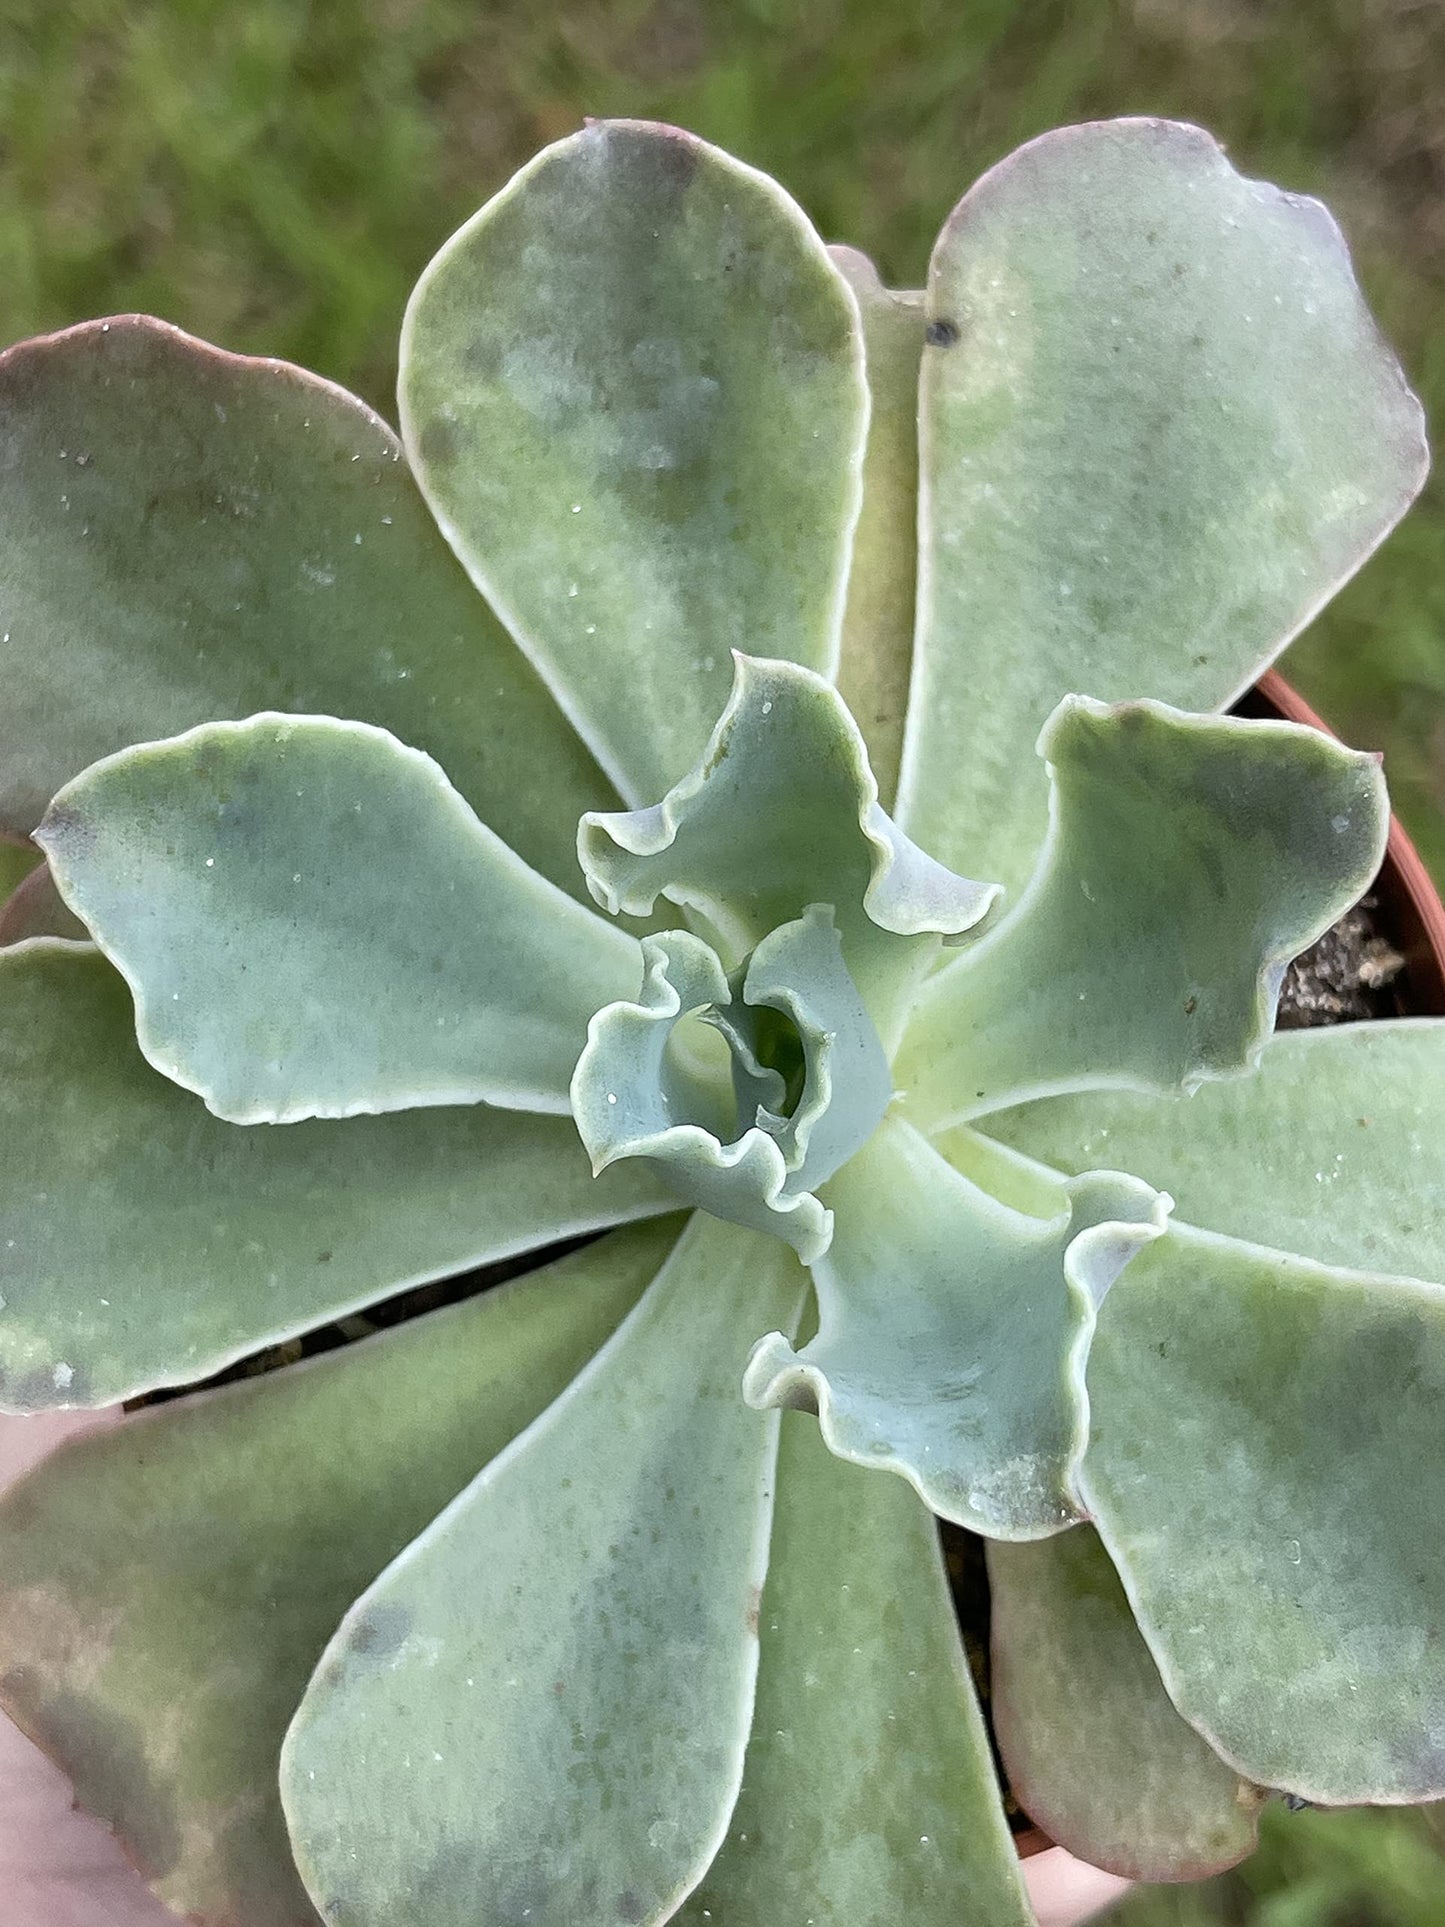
{"points": [[314, 924], [187, 535], [1332, 1149], [953, 1330], [1256, 1469], [1093, 1748], [632, 388], [147, 1243], [539, 1711], [199, 1557], [739, 1151], [868, 1792], [1189, 859], [877, 654], [1159, 430]]}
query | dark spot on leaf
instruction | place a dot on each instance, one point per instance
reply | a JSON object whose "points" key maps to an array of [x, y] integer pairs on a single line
{"points": [[674, 155], [381, 1630], [630, 1905], [323, 1257], [482, 357], [755, 1601], [941, 333], [1191, 1004], [439, 441]]}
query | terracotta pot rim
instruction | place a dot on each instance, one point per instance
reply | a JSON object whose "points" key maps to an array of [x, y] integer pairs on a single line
{"points": [[1410, 901]]}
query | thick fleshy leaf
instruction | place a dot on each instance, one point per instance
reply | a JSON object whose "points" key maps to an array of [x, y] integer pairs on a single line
{"points": [[187, 534], [868, 1792], [1090, 1740], [1158, 430], [167, 1588], [953, 1330], [750, 1149], [1260, 1469], [146, 1243], [873, 671], [35, 908], [539, 1711], [632, 388], [1189, 858], [314, 924], [1334, 1148], [779, 813]]}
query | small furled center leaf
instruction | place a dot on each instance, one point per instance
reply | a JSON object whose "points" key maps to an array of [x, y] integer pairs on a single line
{"points": [[809, 1078], [781, 812]]}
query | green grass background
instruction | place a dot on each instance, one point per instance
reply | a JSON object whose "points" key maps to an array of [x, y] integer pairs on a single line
{"points": [[273, 174]]}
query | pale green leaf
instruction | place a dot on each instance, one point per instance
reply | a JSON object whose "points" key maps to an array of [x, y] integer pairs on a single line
{"points": [[1006, 1174], [798, 971], [187, 535], [539, 1711], [1264, 1430], [314, 924], [167, 1588], [1091, 1743], [749, 1148], [1159, 430], [146, 1243], [868, 1792], [632, 387], [1334, 1149], [1188, 859], [877, 654], [35, 908], [953, 1330], [781, 812]]}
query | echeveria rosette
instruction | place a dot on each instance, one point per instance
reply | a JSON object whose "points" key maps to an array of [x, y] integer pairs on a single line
{"points": [[612, 1680]]}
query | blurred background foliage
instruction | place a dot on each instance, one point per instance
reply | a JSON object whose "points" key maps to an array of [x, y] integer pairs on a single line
{"points": [[273, 174]]}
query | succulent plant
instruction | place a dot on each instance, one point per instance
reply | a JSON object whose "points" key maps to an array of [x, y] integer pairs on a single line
{"points": [[584, 1599]]}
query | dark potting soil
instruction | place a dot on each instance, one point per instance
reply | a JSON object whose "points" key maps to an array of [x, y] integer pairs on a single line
{"points": [[1354, 973]]}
